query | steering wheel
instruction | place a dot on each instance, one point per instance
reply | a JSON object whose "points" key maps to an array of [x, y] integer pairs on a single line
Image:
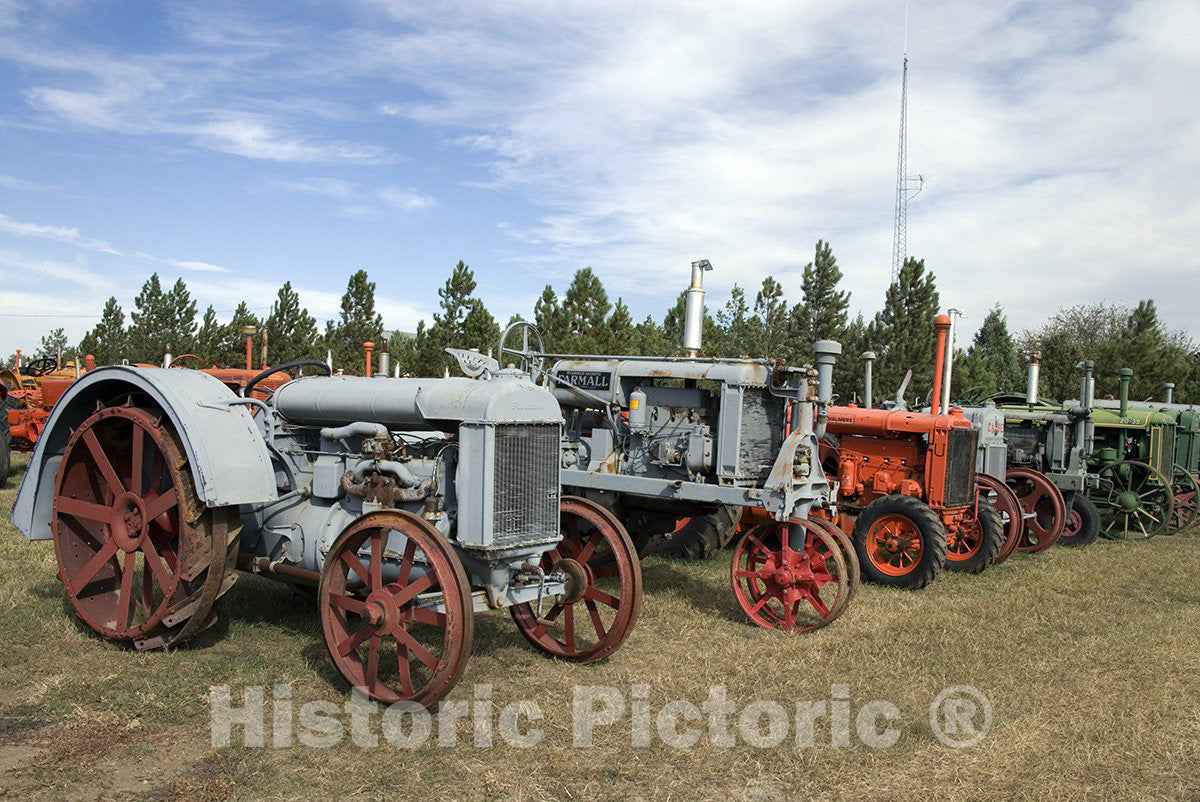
{"points": [[292, 365], [531, 360], [183, 356], [40, 366]]}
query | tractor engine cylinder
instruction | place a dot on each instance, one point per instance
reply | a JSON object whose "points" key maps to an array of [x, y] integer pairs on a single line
{"points": [[1031, 378], [868, 358], [1169, 390], [693, 315]]}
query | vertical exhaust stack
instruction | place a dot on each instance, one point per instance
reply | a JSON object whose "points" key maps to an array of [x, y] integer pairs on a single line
{"points": [[827, 353], [167, 357], [941, 326], [368, 347], [1032, 377], [1169, 391], [1087, 400], [248, 332], [1126, 374], [954, 314], [384, 361], [263, 356], [868, 358], [693, 314]]}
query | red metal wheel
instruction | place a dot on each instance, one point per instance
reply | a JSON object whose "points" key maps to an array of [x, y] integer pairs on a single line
{"points": [[603, 586], [790, 576], [1186, 508], [396, 608], [854, 570], [1009, 507], [894, 545], [1043, 507], [138, 562]]}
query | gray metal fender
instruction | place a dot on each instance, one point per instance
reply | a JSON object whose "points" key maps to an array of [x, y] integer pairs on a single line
{"points": [[228, 458]]}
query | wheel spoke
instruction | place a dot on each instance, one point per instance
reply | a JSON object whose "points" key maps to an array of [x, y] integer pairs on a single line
{"points": [[103, 555], [409, 592], [155, 563], [83, 509], [377, 561], [347, 603], [416, 648], [161, 504], [818, 605], [410, 550], [372, 675], [349, 644], [103, 463], [594, 614], [405, 671], [602, 597], [589, 548], [569, 626], [354, 564], [135, 469], [125, 596], [424, 615]]}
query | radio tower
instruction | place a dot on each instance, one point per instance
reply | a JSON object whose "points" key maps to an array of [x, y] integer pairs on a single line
{"points": [[904, 184]]}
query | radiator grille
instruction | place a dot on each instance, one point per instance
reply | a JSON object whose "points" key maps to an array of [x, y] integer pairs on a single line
{"points": [[525, 494], [960, 467]]}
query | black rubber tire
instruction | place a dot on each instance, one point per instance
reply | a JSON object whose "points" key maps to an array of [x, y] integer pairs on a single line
{"points": [[992, 524], [927, 523], [703, 535], [1090, 516], [5, 453]]}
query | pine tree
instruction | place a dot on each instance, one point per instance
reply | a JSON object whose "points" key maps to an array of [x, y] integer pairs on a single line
{"points": [[770, 322], [181, 318], [55, 346], [210, 340], [107, 342], [150, 323], [358, 323], [232, 352], [463, 322], [737, 337], [902, 333], [849, 372], [618, 330], [551, 320], [291, 330], [991, 364], [823, 312], [585, 307]]}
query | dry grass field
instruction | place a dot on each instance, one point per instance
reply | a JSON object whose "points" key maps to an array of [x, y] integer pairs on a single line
{"points": [[1090, 659]]}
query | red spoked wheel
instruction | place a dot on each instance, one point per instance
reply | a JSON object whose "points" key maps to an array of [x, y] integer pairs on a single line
{"points": [[1186, 509], [603, 587], [1043, 506], [142, 560], [790, 576], [1009, 507], [396, 608], [848, 553]]}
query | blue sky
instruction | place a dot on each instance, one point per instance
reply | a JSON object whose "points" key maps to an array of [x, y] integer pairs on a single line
{"points": [[242, 145]]}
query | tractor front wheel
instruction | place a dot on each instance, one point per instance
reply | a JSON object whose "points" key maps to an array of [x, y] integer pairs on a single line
{"points": [[900, 542], [702, 536], [1083, 522], [977, 540]]}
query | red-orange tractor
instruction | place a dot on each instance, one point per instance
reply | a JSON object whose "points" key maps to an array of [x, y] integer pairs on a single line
{"points": [[907, 488]]}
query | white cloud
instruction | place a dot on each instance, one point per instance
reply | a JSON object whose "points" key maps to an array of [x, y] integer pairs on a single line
{"points": [[358, 201], [201, 267], [12, 182], [65, 234], [406, 199]]}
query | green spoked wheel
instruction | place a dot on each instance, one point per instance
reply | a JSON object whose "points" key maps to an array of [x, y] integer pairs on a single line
{"points": [[1135, 501]]}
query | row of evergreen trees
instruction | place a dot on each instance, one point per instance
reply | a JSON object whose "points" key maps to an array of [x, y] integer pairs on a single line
{"points": [[585, 320]]}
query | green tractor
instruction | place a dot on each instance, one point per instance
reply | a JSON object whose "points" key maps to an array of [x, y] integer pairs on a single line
{"points": [[1175, 454]]}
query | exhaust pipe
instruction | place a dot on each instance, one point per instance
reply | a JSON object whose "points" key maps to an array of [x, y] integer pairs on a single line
{"points": [[693, 314], [1087, 400], [1126, 374], [941, 325], [368, 347], [954, 315], [384, 361], [868, 358], [1169, 389], [1032, 377], [827, 353]]}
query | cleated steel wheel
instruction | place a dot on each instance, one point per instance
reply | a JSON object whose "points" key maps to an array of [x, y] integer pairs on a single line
{"points": [[142, 560], [1183, 488], [1043, 506], [1136, 501], [396, 608], [790, 576], [854, 570], [603, 596]]}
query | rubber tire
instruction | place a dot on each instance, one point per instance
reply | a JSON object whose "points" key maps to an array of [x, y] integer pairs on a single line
{"points": [[933, 540], [993, 538], [5, 454], [703, 536], [1090, 514]]}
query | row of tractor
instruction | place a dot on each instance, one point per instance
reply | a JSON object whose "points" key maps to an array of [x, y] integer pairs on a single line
{"points": [[536, 482]]}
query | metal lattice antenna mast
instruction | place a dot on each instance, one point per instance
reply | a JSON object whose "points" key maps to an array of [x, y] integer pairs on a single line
{"points": [[904, 183]]}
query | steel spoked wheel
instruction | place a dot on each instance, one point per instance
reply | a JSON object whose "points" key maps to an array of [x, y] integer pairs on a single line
{"points": [[396, 609], [141, 559], [603, 592], [790, 576], [854, 570], [1009, 508], [1043, 507], [1184, 490], [1136, 501]]}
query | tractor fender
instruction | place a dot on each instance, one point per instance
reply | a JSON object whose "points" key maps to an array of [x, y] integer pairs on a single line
{"points": [[225, 450]]}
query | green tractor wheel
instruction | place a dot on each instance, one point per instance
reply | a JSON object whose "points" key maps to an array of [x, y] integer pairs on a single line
{"points": [[1136, 502], [1187, 499]]}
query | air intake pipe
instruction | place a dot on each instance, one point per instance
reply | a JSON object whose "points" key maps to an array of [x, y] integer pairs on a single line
{"points": [[1169, 391], [693, 313], [1032, 377], [868, 358], [1126, 374], [941, 325], [827, 353]]}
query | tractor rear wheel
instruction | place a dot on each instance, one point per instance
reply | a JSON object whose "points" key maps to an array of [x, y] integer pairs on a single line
{"points": [[1083, 522], [1183, 486], [143, 561], [1135, 500], [900, 542], [977, 541], [1006, 503], [1044, 508], [702, 536]]}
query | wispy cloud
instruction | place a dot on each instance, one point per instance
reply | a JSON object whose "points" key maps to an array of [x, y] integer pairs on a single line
{"points": [[360, 201], [66, 234], [12, 182], [200, 267]]}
